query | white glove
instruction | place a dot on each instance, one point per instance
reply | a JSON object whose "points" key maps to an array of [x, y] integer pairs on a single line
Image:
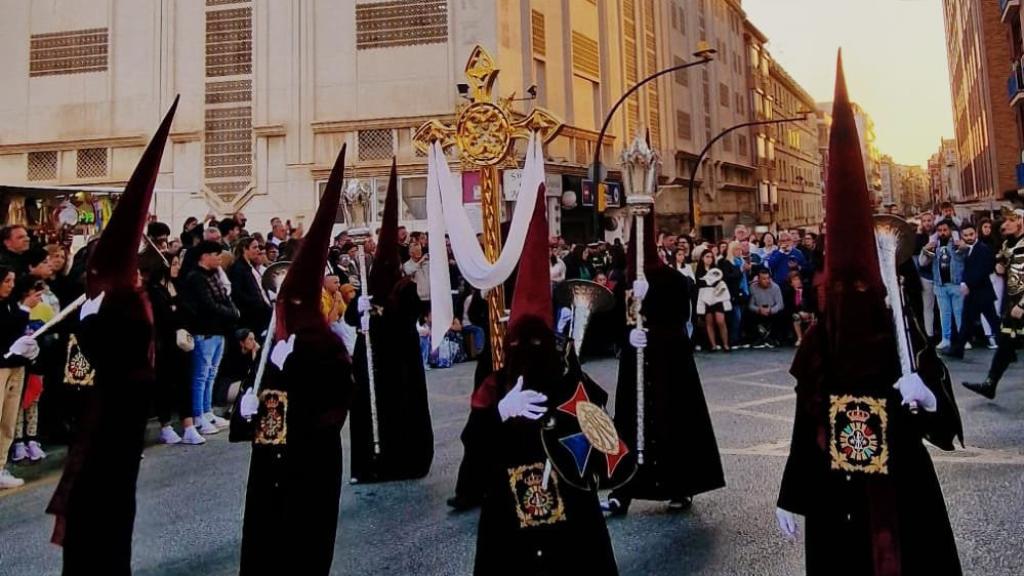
{"points": [[364, 323], [281, 351], [364, 305], [640, 288], [638, 338], [787, 523], [915, 393], [249, 405], [26, 347], [519, 402], [91, 306], [271, 295]]}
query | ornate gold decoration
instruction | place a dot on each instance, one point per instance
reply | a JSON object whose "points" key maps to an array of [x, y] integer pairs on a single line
{"points": [[485, 132], [536, 505], [598, 427], [272, 418]]}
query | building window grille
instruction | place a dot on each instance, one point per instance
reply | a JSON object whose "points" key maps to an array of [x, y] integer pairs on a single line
{"points": [[376, 144], [42, 165]]}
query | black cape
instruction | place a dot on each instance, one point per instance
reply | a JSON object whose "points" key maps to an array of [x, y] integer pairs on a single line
{"points": [[681, 456], [403, 417], [294, 488], [563, 533]]}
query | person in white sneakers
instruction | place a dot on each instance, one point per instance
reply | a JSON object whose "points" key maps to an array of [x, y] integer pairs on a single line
{"points": [[21, 350]]}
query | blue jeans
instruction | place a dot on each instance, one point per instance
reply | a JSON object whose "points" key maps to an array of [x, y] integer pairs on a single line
{"points": [[205, 361], [951, 308], [425, 349], [734, 318], [477, 334]]}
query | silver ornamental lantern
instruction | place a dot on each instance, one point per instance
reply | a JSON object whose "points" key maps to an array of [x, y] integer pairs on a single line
{"points": [[639, 177]]}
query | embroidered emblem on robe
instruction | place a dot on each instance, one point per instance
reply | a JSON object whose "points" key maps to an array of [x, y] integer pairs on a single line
{"points": [[77, 370], [535, 504], [858, 430], [272, 426]]}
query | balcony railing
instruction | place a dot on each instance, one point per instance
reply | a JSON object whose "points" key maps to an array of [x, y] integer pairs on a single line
{"points": [[1015, 84], [1008, 9]]}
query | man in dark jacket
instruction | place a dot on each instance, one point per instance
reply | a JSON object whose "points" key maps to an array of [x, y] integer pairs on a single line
{"points": [[979, 295], [14, 242], [212, 315], [253, 304]]}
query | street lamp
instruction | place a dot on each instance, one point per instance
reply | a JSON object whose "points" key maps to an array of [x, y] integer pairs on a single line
{"points": [[704, 54], [640, 178], [707, 148]]}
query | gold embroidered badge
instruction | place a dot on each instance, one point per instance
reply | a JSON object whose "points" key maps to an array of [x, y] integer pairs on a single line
{"points": [[535, 504], [77, 370], [858, 429], [272, 426]]}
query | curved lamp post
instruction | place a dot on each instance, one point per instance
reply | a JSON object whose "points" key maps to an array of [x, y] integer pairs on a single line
{"points": [[705, 53], [707, 148]]}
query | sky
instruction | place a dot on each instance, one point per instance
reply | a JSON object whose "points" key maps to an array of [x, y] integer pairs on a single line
{"points": [[894, 55]]}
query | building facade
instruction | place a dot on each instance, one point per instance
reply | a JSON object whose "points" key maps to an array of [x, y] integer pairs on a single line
{"points": [[271, 89], [944, 174], [981, 57], [796, 167]]}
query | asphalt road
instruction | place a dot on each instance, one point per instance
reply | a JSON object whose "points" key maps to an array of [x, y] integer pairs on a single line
{"points": [[190, 498]]}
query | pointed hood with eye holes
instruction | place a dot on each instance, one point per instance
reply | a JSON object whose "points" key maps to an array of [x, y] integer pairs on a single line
{"points": [[114, 262], [387, 261], [858, 325], [298, 301], [530, 338]]}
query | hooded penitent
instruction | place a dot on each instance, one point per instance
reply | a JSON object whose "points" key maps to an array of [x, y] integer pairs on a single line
{"points": [[858, 469], [94, 503], [528, 526], [681, 456], [404, 433], [294, 487]]}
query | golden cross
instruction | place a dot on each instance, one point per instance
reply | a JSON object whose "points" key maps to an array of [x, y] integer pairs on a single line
{"points": [[484, 133]]}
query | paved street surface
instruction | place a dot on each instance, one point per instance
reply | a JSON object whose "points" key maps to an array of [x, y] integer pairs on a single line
{"points": [[190, 498]]}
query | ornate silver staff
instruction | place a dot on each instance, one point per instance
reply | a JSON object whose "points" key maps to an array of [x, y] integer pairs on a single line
{"points": [[639, 176], [356, 202]]}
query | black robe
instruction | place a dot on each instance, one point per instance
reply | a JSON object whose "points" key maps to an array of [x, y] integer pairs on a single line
{"points": [[95, 500], [860, 524], [405, 432], [681, 456], [573, 540], [294, 488]]}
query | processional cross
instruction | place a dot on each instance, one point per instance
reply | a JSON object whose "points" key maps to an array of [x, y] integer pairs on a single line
{"points": [[484, 133]]}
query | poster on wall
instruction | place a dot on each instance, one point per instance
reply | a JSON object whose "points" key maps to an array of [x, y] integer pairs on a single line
{"points": [[612, 194], [471, 187], [511, 180]]}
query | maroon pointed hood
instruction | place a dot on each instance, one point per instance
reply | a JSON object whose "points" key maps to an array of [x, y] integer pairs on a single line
{"points": [[652, 260], [298, 301], [531, 301], [114, 262], [387, 261], [858, 324]]}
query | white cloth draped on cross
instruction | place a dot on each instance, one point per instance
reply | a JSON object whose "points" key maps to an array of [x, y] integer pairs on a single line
{"points": [[446, 215]]}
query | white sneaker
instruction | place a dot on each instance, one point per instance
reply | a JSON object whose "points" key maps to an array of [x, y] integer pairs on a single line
{"points": [[943, 345], [192, 437], [20, 452], [992, 344], [169, 436], [206, 427], [216, 420], [35, 451], [7, 480]]}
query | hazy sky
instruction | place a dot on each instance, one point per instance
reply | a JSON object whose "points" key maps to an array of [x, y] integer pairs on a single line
{"points": [[894, 55]]}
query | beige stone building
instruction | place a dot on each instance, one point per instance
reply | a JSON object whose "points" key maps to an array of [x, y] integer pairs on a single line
{"points": [[270, 89]]}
